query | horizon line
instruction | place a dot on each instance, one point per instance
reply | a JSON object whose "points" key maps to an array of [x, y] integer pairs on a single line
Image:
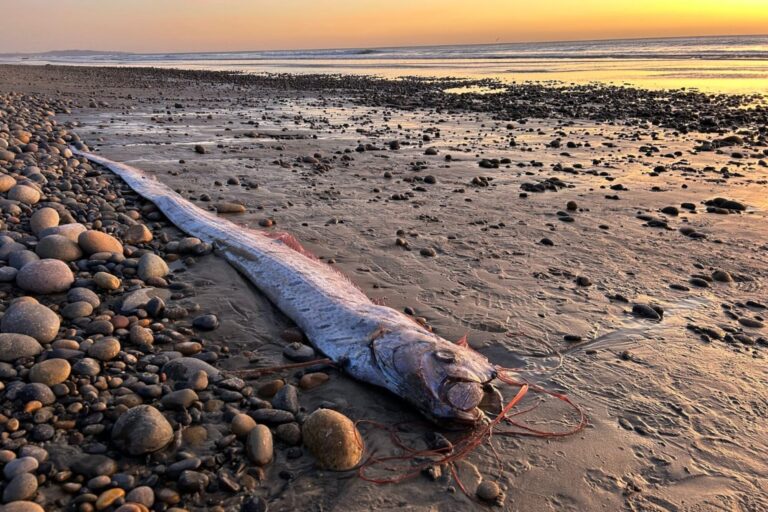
{"points": [[440, 45]]}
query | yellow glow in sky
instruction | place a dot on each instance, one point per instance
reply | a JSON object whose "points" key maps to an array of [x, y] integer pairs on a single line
{"points": [[221, 25]]}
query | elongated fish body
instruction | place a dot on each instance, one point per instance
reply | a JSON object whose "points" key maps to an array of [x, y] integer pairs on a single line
{"points": [[372, 343]]}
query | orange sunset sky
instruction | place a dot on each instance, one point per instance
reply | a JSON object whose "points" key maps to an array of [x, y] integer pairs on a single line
{"points": [[220, 25]]}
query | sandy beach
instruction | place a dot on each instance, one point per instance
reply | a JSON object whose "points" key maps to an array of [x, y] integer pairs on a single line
{"points": [[608, 242]]}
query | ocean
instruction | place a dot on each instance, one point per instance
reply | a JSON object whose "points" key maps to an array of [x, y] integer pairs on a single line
{"points": [[737, 64]]}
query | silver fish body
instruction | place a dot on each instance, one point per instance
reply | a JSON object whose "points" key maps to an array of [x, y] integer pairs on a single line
{"points": [[372, 343]]}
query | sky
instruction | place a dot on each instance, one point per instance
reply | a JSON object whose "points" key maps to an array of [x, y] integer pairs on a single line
{"points": [[229, 25]]}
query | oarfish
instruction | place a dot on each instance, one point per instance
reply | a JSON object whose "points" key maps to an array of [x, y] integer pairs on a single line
{"points": [[370, 342]]}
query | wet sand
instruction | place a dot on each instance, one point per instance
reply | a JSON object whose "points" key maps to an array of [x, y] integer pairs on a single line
{"points": [[676, 406]]}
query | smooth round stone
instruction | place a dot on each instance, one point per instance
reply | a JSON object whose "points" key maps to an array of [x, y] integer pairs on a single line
{"points": [[32, 319], [206, 322], [198, 381], [137, 234], [289, 433], [109, 497], [96, 241], [141, 335], [106, 281], [488, 491], [36, 452], [152, 266], [259, 446], [8, 274], [86, 367], [43, 218], [142, 429], [13, 346], [18, 259], [722, 276], [84, 295], [242, 424], [333, 439], [58, 247], [71, 231], [45, 276], [104, 349], [91, 466], [189, 244], [287, 399], [183, 368], [76, 310], [299, 352], [179, 400], [24, 194], [22, 506], [312, 380], [19, 466], [143, 495], [35, 391], [193, 481], [50, 372], [6, 182], [21, 488]]}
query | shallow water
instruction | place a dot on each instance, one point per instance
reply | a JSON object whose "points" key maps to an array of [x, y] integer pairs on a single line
{"points": [[736, 65]]}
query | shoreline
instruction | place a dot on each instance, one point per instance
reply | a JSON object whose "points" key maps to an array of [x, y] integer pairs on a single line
{"points": [[515, 264]]}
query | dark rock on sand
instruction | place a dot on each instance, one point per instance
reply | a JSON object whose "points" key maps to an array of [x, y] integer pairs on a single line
{"points": [[31, 318], [45, 277], [14, 346], [142, 429]]}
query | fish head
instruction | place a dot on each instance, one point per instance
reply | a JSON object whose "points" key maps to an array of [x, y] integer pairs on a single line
{"points": [[447, 382]]}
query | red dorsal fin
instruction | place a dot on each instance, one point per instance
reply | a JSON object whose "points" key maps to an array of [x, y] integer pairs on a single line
{"points": [[290, 241], [462, 342]]}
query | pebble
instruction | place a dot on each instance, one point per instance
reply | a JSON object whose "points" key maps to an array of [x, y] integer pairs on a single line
{"points": [[92, 242], [105, 349], [646, 311], [183, 368], [259, 445], [109, 497], [142, 429], [22, 487], [488, 491], [333, 439], [106, 281], [143, 495], [32, 319], [76, 310], [50, 372], [45, 277], [91, 466], [299, 352], [722, 276], [24, 194], [58, 247], [242, 424], [83, 295], [179, 400], [14, 346], [287, 399], [206, 322], [313, 380], [22, 506], [227, 207], [19, 466], [137, 234], [43, 218], [152, 266]]}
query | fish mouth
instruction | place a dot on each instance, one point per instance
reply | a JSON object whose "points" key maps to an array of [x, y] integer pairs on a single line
{"points": [[464, 396]]}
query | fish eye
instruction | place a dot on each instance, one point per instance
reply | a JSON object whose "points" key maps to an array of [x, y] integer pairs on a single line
{"points": [[444, 356]]}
